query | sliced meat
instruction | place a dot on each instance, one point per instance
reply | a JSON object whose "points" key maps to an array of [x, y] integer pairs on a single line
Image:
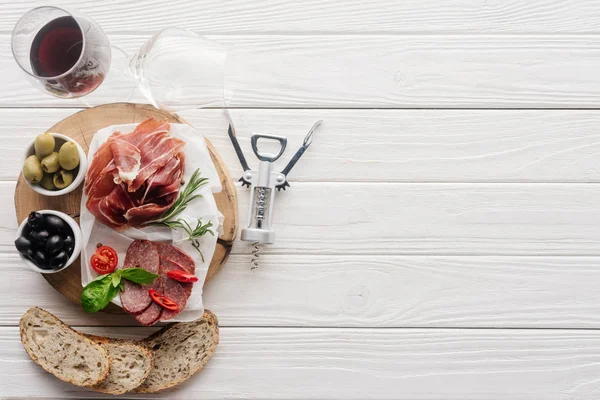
{"points": [[139, 215], [102, 157], [173, 290], [172, 253], [157, 149], [158, 258], [134, 298], [150, 315], [166, 180], [168, 265], [127, 158], [140, 254], [146, 163]]}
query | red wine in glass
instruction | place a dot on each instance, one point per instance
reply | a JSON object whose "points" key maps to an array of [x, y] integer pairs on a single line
{"points": [[57, 47], [65, 51]]}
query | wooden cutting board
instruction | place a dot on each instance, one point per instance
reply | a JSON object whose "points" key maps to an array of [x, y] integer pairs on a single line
{"points": [[81, 127]]}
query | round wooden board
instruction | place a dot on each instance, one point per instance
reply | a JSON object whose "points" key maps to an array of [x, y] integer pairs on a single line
{"points": [[81, 127]]}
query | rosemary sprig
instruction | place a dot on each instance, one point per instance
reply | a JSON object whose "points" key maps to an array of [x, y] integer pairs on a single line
{"points": [[193, 233], [183, 200]]}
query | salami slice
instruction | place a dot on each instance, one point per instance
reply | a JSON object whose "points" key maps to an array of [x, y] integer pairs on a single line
{"points": [[173, 290], [172, 253], [151, 315], [168, 265], [140, 254], [158, 258]]}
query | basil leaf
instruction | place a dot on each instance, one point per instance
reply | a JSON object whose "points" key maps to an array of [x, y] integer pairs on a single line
{"points": [[98, 293], [116, 278], [138, 275]]}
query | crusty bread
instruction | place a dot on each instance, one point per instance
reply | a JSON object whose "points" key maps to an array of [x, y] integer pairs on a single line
{"points": [[68, 355], [130, 364], [180, 350]]}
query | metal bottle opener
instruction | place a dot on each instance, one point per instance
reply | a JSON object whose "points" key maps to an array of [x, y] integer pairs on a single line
{"points": [[262, 183]]}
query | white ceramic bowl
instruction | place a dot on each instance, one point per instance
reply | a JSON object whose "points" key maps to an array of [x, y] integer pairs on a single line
{"points": [[76, 235], [60, 140]]}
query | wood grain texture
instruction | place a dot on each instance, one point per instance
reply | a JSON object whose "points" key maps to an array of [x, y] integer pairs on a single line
{"points": [[365, 291], [289, 363], [381, 71], [419, 219], [385, 145], [326, 17], [81, 127]]}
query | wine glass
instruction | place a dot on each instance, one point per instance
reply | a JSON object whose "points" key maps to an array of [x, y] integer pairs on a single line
{"points": [[67, 54], [178, 69], [64, 52]]}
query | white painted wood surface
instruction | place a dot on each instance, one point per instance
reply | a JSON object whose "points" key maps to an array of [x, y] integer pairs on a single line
{"points": [[291, 363], [440, 239]]}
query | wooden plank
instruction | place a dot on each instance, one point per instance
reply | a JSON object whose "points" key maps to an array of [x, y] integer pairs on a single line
{"points": [[382, 71], [384, 145], [358, 291], [322, 16], [418, 219], [288, 363]]}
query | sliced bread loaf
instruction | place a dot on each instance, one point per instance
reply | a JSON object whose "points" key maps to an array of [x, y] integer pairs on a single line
{"points": [[180, 350], [130, 364], [68, 355]]}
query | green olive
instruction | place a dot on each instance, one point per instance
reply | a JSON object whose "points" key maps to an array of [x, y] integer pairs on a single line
{"points": [[44, 145], [62, 179], [68, 156], [50, 163], [32, 170], [47, 182]]}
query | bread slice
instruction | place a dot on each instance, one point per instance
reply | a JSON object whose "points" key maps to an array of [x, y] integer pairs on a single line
{"points": [[68, 355], [180, 350], [130, 364]]}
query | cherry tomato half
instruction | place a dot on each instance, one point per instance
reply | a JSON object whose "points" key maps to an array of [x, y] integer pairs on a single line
{"points": [[163, 301], [182, 276], [104, 261]]}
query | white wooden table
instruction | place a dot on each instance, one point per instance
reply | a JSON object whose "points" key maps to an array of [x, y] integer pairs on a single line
{"points": [[441, 238]]}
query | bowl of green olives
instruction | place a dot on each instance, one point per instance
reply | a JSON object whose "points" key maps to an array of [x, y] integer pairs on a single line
{"points": [[48, 241], [54, 164]]}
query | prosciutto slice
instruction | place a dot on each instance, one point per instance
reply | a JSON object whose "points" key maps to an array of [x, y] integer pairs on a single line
{"points": [[134, 178], [127, 159]]}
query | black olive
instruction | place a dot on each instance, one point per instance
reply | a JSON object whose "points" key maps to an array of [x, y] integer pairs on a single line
{"points": [[23, 244], [40, 260], [26, 231], [39, 238], [35, 220], [54, 224], [30, 254], [69, 244], [59, 260], [54, 244]]}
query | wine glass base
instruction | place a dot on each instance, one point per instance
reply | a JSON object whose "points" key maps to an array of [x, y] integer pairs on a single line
{"points": [[117, 86]]}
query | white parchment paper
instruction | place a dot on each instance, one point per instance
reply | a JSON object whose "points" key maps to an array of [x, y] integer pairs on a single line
{"points": [[196, 156]]}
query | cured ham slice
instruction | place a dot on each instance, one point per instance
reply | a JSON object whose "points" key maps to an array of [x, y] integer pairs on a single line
{"points": [[134, 178], [158, 258], [157, 150], [127, 159]]}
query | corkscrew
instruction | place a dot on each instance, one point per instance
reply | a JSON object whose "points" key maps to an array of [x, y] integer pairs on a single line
{"points": [[262, 183]]}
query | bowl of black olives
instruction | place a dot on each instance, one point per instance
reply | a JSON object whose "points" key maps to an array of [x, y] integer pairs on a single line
{"points": [[54, 164], [48, 241]]}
